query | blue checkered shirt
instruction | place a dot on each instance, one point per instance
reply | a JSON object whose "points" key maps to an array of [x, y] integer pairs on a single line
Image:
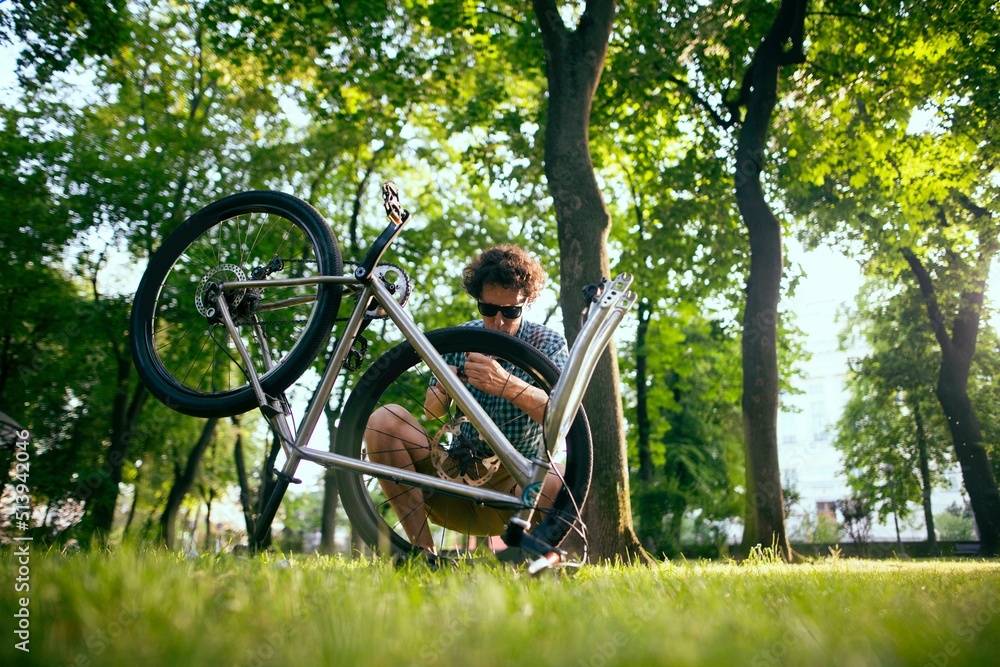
{"points": [[524, 433]]}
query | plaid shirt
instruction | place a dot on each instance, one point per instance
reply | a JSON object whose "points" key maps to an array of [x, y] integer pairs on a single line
{"points": [[524, 433]]}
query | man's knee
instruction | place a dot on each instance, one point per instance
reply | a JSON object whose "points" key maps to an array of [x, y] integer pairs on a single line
{"points": [[383, 425], [391, 425], [384, 419]]}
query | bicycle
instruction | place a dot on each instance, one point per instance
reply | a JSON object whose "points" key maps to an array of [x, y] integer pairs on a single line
{"points": [[241, 299]]}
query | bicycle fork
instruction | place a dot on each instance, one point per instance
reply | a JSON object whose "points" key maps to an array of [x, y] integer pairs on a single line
{"points": [[607, 305]]}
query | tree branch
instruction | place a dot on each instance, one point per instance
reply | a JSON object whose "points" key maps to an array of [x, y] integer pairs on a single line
{"points": [[844, 15], [796, 35], [930, 299], [703, 103], [595, 25], [965, 202], [494, 12], [551, 24]]}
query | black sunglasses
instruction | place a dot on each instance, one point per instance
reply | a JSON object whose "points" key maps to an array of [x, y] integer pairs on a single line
{"points": [[510, 312]]}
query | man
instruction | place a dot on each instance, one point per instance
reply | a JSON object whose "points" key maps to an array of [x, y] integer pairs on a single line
{"points": [[503, 280]]}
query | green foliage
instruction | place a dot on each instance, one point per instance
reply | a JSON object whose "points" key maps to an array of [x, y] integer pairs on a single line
{"points": [[817, 528], [888, 148], [300, 514], [186, 102], [57, 34], [695, 440], [857, 514], [890, 390], [955, 524]]}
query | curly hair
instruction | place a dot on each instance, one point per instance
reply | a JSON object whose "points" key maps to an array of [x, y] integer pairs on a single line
{"points": [[506, 266]]}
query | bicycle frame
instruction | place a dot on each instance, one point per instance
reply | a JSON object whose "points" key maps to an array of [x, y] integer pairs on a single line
{"points": [[529, 474]]}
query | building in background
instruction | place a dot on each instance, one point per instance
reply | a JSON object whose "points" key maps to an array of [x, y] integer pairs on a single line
{"points": [[807, 421]]}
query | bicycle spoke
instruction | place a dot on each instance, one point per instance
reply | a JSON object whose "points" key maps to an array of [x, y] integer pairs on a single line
{"points": [[459, 525], [246, 241]]}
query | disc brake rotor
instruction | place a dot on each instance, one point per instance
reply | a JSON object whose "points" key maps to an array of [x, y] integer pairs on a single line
{"points": [[478, 470], [221, 274]]}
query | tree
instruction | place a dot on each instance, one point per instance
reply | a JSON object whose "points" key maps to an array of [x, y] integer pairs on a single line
{"points": [[445, 61], [574, 61], [164, 119], [686, 239], [908, 82], [782, 46], [695, 448], [857, 519], [58, 34], [183, 481], [891, 417], [712, 43]]}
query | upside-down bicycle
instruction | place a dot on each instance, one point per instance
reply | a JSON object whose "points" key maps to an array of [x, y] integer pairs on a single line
{"points": [[242, 298]]}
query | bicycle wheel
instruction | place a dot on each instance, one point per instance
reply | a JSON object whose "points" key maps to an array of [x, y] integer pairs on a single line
{"points": [[389, 398], [181, 348]]}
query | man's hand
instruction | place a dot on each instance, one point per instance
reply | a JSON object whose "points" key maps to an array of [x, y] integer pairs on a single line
{"points": [[487, 375]]}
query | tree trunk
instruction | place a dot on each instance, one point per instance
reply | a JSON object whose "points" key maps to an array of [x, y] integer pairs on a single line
{"points": [[925, 479], [243, 479], [208, 522], [135, 503], [574, 61], [977, 472], [328, 530], [952, 392], [642, 422], [268, 482], [124, 415], [183, 479], [765, 520]]}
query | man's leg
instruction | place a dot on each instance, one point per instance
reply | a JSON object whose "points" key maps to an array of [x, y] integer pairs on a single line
{"points": [[395, 438]]}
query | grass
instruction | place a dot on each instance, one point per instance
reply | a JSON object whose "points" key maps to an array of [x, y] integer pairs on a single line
{"points": [[154, 608]]}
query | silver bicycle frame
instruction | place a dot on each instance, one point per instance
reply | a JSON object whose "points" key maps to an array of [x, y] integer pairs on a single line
{"points": [[295, 446], [564, 402]]}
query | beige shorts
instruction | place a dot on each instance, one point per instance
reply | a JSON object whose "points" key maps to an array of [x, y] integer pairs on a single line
{"points": [[463, 515]]}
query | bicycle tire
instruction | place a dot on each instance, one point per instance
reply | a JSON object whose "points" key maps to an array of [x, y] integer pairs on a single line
{"points": [[184, 356], [390, 378]]}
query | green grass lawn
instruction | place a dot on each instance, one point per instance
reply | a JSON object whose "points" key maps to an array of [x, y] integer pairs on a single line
{"points": [[154, 608]]}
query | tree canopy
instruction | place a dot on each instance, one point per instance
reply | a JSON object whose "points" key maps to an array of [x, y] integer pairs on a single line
{"points": [[678, 141]]}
